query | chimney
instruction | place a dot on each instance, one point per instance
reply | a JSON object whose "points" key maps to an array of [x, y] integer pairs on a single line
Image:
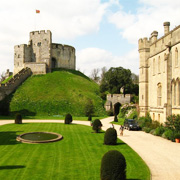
{"points": [[154, 35], [166, 27]]}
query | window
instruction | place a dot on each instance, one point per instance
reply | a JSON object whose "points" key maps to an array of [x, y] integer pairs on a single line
{"points": [[39, 44], [159, 94], [159, 117], [176, 57], [153, 116], [174, 93]]}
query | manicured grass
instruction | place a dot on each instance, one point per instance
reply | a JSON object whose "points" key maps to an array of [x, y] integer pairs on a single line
{"points": [[76, 157], [120, 121]]}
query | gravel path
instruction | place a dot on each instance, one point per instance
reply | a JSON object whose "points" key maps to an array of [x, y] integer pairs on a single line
{"points": [[162, 156]]}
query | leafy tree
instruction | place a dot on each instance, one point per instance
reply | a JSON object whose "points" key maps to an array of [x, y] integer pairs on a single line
{"points": [[116, 78]]}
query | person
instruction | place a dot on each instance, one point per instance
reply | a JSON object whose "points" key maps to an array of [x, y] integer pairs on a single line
{"points": [[121, 130], [112, 126]]}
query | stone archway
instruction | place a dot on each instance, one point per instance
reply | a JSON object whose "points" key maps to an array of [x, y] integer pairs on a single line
{"points": [[116, 108], [53, 63]]}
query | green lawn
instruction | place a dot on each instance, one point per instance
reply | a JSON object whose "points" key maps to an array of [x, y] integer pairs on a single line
{"points": [[77, 156], [120, 121]]}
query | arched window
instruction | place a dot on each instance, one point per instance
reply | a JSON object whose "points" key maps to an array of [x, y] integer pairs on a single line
{"points": [[159, 64], [174, 93], [176, 57], [159, 94]]}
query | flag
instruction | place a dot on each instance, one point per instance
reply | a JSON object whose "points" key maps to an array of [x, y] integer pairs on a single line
{"points": [[37, 11]]}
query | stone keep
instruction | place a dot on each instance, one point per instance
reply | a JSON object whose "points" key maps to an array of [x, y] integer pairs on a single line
{"points": [[41, 55], [159, 74]]}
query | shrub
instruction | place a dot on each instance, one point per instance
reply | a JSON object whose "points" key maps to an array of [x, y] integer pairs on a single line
{"points": [[113, 166], [169, 134], [152, 131], [68, 119], [89, 108], [115, 118], [110, 113], [110, 137], [97, 125], [177, 136], [159, 131], [18, 119], [89, 118], [146, 129]]}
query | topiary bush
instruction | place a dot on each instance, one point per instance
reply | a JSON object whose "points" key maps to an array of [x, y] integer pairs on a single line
{"points": [[68, 119], [89, 118], [113, 166], [18, 118], [97, 125], [110, 137], [115, 118]]}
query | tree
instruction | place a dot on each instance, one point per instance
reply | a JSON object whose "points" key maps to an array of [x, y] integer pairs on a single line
{"points": [[116, 78], [95, 75], [89, 108]]}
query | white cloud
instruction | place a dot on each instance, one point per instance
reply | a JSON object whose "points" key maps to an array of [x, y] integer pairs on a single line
{"points": [[91, 58], [149, 17]]}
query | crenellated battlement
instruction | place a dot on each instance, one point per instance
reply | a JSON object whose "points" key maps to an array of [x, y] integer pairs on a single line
{"points": [[20, 46], [42, 32], [144, 43], [61, 46]]}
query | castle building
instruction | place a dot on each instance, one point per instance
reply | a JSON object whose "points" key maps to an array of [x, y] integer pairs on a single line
{"points": [[41, 55], [159, 74]]}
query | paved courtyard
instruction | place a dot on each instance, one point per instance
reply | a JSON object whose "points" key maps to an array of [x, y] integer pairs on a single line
{"points": [[162, 156]]}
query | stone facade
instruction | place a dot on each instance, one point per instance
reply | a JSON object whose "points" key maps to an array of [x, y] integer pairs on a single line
{"points": [[159, 74], [112, 99], [41, 55]]}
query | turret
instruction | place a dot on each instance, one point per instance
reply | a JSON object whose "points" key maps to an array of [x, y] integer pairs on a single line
{"points": [[144, 53], [154, 36], [166, 27]]}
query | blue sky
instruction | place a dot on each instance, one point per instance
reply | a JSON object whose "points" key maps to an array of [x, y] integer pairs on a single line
{"points": [[104, 32]]}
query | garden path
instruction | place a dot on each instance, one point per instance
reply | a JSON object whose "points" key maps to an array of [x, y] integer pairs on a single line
{"points": [[162, 156]]}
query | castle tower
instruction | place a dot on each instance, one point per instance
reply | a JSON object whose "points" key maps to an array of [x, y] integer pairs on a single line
{"points": [[41, 47], [144, 53]]}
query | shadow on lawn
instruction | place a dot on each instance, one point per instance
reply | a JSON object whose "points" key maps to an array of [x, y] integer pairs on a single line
{"points": [[11, 167], [8, 138]]}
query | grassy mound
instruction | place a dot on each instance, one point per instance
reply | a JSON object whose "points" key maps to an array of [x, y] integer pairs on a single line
{"points": [[57, 93]]}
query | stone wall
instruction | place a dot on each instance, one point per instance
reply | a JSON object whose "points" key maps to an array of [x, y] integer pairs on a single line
{"points": [[112, 99], [14, 82]]}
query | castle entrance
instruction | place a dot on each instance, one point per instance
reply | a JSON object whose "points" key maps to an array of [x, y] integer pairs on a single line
{"points": [[53, 63], [116, 108]]}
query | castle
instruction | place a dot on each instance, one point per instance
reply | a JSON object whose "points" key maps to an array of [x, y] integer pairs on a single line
{"points": [[159, 74], [41, 55]]}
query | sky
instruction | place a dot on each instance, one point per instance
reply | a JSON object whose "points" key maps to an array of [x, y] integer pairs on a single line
{"points": [[105, 33]]}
